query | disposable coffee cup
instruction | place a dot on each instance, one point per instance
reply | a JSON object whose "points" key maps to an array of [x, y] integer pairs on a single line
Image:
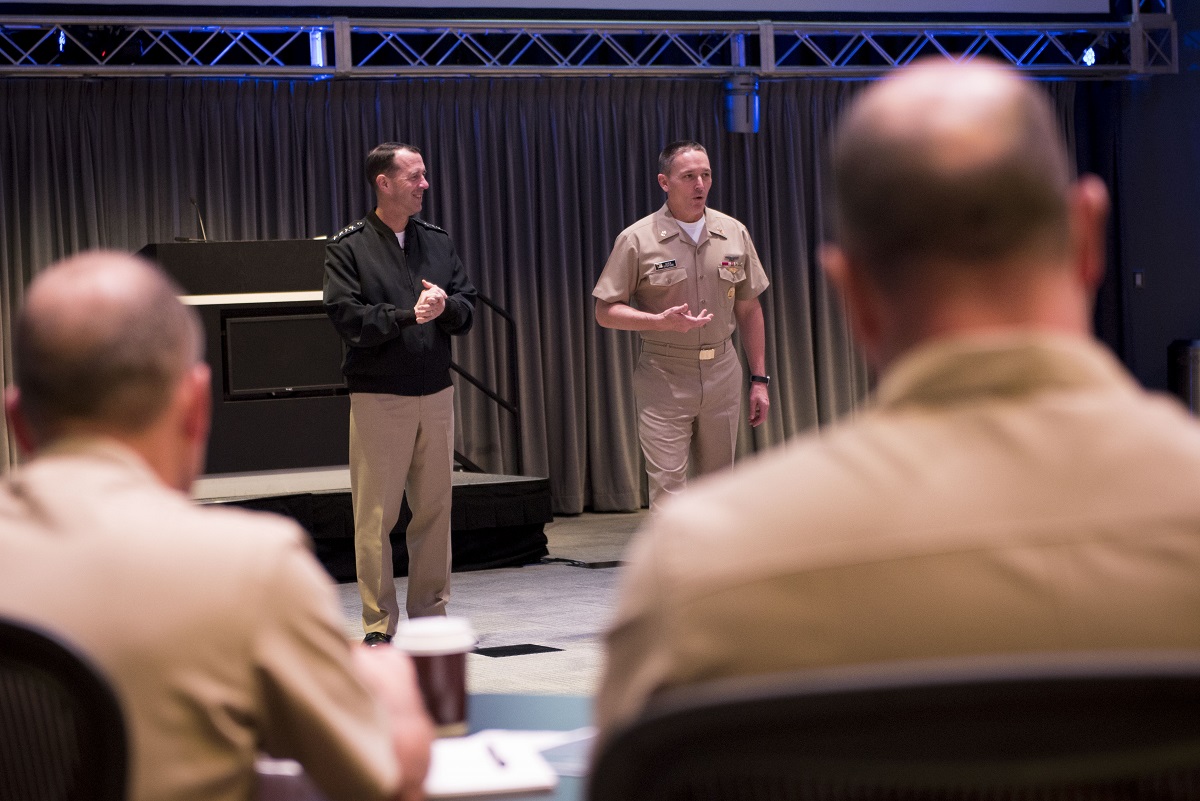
{"points": [[439, 647]]}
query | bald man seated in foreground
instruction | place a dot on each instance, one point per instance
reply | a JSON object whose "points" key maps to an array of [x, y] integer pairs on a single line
{"points": [[217, 628], [1009, 489]]}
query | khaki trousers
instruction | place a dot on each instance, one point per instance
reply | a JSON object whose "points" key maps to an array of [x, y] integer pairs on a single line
{"points": [[688, 413], [401, 444]]}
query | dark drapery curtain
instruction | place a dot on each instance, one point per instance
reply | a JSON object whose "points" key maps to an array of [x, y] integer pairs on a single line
{"points": [[1098, 150], [533, 178]]}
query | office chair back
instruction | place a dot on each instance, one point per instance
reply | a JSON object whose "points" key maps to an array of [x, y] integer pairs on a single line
{"points": [[1098, 727], [62, 733]]}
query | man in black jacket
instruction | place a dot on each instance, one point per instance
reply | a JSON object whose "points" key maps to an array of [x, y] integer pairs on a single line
{"points": [[396, 291]]}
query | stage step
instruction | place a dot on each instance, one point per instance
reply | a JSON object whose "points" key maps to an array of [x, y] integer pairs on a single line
{"points": [[496, 520]]}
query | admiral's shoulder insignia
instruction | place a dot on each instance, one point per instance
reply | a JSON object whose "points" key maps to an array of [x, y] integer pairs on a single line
{"points": [[430, 226], [349, 229]]}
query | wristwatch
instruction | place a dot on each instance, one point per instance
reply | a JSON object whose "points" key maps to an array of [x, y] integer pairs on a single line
{"points": [[760, 379]]}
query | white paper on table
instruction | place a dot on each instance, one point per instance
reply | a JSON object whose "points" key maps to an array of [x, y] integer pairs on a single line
{"points": [[569, 752], [492, 761]]}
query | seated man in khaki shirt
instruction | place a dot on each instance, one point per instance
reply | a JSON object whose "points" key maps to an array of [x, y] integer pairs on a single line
{"points": [[1010, 488], [217, 628]]}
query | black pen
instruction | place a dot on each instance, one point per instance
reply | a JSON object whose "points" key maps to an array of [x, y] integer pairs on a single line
{"points": [[491, 750]]}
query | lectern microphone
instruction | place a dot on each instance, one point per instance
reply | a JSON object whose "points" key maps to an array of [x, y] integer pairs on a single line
{"points": [[200, 218]]}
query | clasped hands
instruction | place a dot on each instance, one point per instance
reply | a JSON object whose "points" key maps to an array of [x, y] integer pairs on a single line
{"points": [[431, 303]]}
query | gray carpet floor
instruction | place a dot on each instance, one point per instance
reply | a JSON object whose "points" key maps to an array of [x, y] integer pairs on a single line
{"points": [[554, 604]]}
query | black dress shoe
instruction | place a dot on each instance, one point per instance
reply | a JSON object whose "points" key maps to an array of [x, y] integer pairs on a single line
{"points": [[377, 638]]}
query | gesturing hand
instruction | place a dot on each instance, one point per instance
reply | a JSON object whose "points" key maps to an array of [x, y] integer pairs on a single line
{"points": [[431, 303], [677, 319]]}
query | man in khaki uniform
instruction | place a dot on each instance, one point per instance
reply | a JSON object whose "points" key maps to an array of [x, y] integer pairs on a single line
{"points": [[684, 278], [218, 630], [1011, 489]]}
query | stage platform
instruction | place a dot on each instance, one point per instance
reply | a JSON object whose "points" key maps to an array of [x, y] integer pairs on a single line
{"points": [[496, 520]]}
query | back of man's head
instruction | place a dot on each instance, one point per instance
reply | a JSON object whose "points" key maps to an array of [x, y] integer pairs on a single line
{"points": [[950, 164], [100, 343]]}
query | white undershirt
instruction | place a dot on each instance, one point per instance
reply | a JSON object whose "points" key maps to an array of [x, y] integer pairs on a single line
{"points": [[692, 229], [400, 239]]}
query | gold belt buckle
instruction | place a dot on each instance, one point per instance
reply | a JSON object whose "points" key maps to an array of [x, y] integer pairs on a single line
{"points": [[707, 354]]}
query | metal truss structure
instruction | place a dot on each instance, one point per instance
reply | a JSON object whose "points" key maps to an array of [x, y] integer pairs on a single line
{"points": [[1145, 42]]}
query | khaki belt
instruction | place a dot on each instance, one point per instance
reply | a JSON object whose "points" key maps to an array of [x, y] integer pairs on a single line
{"points": [[703, 354]]}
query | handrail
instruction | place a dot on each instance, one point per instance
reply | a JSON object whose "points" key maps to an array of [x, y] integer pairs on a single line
{"points": [[512, 406]]}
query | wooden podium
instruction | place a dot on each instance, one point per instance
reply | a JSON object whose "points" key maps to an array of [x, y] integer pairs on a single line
{"points": [[279, 401]]}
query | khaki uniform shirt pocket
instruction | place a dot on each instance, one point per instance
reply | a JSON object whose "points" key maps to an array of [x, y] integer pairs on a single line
{"points": [[732, 277], [663, 278], [733, 268], [732, 273]]}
